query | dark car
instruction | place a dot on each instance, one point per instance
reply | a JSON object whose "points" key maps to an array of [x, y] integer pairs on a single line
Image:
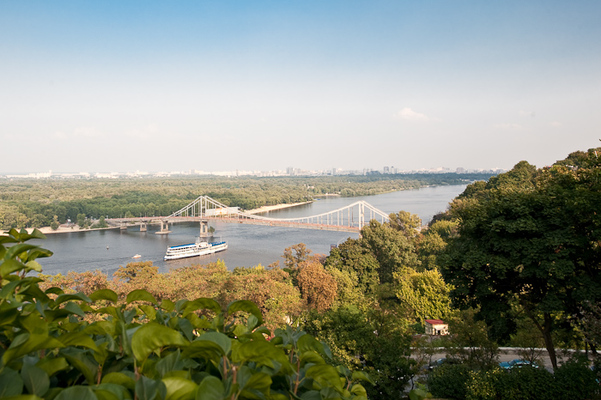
{"points": [[442, 361], [517, 363]]}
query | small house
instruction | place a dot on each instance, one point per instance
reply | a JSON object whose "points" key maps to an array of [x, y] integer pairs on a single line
{"points": [[436, 327]]}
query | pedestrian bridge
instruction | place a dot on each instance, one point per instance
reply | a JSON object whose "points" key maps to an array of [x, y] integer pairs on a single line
{"points": [[350, 218]]}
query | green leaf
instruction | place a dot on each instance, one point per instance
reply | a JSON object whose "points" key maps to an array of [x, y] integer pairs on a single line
{"points": [[140, 295], [34, 266], [260, 352], [219, 338], [11, 383], [311, 357], [34, 342], [203, 349], [119, 378], [18, 250], [104, 294], [52, 365], [169, 363], [110, 391], [78, 339], [148, 310], [77, 392], [325, 376], [54, 290], [36, 380], [167, 305], [152, 337], [10, 266], [201, 304], [179, 388], [81, 360], [69, 297], [358, 390], [23, 397], [362, 376], [147, 389], [250, 381], [246, 306], [210, 388], [74, 308], [309, 343]]}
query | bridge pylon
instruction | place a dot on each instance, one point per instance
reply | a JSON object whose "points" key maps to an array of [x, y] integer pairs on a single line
{"points": [[164, 228]]}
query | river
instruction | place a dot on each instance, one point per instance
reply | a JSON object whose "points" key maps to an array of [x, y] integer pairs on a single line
{"points": [[249, 245]]}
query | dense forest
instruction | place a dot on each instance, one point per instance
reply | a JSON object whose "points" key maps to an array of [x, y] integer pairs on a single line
{"points": [[515, 261], [36, 203]]}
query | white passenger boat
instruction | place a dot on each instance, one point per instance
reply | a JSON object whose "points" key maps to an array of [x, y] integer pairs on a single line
{"points": [[199, 248]]}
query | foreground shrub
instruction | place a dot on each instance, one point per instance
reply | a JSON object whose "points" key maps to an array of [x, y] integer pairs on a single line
{"points": [[576, 379], [146, 349], [449, 381], [573, 380]]}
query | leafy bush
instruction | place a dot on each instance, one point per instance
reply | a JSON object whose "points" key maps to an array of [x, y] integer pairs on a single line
{"points": [[526, 383], [573, 380], [145, 349], [449, 381], [576, 379]]}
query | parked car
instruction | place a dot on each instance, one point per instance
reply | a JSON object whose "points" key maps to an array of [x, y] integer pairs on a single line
{"points": [[441, 361], [517, 363]]}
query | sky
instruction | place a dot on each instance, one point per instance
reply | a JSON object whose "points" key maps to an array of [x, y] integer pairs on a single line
{"points": [[101, 86]]}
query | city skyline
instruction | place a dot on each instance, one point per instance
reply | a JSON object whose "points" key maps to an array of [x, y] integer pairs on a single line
{"points": [[261, 86]]}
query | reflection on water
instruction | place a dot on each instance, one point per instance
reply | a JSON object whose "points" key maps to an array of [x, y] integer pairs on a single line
{"points": [[248, 245]]}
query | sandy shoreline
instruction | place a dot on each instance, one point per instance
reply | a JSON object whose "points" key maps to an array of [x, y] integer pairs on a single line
{"points": [[46, 230]]}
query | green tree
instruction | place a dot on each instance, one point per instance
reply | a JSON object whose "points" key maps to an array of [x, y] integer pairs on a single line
{"points": [[54, 224], [529, 242], [391, 248], [357, 261], [424, 295]]}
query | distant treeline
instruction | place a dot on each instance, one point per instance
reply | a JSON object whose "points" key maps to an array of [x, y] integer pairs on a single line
{"points": [[35, 203]]}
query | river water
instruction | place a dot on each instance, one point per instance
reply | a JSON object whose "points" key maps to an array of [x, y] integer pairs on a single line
{"points": [[249, 245]]}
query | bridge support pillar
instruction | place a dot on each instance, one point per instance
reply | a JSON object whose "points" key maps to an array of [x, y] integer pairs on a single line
{"points": [[204, 228], [164, 228], [123, 227], [143, 227]]}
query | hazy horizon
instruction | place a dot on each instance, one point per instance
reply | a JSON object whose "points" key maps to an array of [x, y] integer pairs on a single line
{"points": [[261, 86]]}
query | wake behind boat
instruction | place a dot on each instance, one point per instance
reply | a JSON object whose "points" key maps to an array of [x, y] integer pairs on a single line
{"points": [[199, 248]]}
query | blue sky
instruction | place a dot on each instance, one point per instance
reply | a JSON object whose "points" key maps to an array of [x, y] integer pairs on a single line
{"points": [[264, 85]]}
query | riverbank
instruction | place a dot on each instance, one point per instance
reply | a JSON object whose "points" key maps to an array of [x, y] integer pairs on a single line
{"points": [[46, 230], [276, 207]]}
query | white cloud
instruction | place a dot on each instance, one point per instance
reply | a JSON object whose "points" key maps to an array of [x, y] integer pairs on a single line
{"points": [[509, 127], [530, 114], [409, 115], [86, 132], [60, 135]]}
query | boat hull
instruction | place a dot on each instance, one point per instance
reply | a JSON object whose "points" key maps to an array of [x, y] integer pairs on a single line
{"points": [[194, 250]]}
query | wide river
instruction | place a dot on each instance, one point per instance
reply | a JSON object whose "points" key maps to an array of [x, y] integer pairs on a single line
{"points": [[249, 245]]}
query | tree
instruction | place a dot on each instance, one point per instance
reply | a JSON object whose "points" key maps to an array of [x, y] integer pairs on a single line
{"points": [[529, 243], [354, 259], [54, 224], [423, 295], [318, 288], [391, 248], [406, 223]]}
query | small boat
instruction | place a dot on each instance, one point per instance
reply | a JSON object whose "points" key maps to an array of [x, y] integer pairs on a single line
{"points": [[200, 248], [137, 256]]}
